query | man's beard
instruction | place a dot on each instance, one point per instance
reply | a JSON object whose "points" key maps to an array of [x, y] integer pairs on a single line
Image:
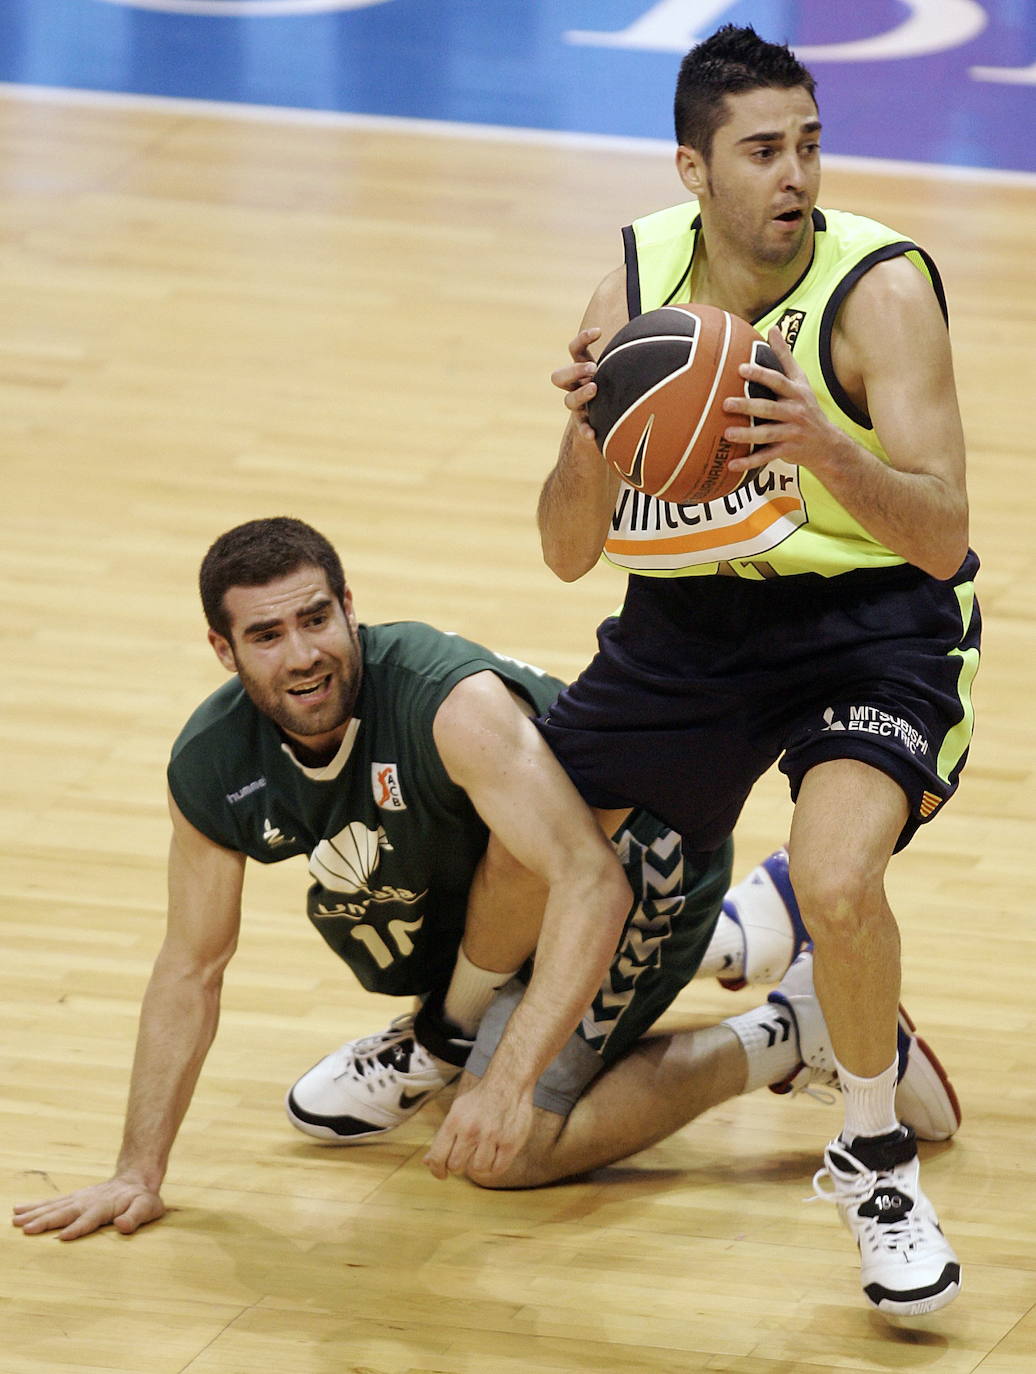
{"points": [[333, 714]]}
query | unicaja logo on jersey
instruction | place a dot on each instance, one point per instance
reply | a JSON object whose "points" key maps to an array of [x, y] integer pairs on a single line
{"points": [[388, 794], [273, 837]]}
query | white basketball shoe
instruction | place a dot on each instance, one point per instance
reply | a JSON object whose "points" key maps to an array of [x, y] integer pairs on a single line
{"points": [[763, 906], [908, 1267], [368, 1086]]}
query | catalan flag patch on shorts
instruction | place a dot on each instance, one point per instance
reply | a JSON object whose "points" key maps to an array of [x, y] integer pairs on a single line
{"points": [[929, 801]]}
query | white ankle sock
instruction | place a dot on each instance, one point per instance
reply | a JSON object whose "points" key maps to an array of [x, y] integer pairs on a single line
{"points": [[870, 1103], [770, 1041], [470, 992]]}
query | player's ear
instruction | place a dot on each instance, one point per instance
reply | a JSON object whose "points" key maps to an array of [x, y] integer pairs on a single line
{"points": [[348, 608], [692, 170], [223, 650]]}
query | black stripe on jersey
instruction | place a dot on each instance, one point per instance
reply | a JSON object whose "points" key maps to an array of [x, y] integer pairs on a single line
{"points": [[629, 246], [827, 323]]}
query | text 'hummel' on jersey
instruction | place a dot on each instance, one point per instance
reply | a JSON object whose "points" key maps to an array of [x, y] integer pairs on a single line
{"points": [[242, 792]]}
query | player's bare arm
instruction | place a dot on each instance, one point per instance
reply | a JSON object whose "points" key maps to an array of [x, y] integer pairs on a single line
{"points": [[178, 1021], [578, 496], [491, 749], [891, 351]]}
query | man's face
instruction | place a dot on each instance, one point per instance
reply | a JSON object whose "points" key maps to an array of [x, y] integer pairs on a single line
{"points": [[758, 189], [297, 653]]}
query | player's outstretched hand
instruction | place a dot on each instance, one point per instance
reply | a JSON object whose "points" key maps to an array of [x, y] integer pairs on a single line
{"points": [[482, 1134], [124, 1203]]}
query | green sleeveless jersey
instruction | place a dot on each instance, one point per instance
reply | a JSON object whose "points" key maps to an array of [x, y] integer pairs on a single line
{"points": [[392, 841], [782, 520]]}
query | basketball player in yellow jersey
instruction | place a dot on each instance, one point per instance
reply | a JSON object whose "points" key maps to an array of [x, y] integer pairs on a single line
{"points": [[836, 631]]}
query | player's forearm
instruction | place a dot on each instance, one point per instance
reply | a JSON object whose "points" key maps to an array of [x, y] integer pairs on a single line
{"points": [[178, 1022], [575, 507], [580, 933], [918, 515]]}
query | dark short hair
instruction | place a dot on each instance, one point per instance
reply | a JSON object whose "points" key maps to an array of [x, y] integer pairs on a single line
{"points": [[257, 552], [731, 61]]}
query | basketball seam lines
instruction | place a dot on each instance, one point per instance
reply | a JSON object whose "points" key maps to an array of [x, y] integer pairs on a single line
{"points": [[664, 381], [718, 373]]}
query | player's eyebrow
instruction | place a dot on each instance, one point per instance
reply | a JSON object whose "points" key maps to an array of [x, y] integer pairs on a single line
{"points": [[259, 627], [811, 126]]}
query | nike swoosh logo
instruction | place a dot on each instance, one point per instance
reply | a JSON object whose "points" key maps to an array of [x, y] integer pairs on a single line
{"points": [[408, 1100], [635, 476]]}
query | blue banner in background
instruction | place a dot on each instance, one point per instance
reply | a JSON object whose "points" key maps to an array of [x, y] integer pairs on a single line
{"points": [[933, 81]]}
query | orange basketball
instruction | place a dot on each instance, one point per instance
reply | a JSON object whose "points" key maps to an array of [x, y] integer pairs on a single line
{"points": [[658, 413]]}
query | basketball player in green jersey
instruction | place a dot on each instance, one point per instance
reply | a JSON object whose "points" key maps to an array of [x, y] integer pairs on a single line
{"points": [[822, 616], [390, 754]]}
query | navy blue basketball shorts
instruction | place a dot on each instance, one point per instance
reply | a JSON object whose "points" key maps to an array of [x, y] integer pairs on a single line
{"points": [[700, 684], [677, 897]]}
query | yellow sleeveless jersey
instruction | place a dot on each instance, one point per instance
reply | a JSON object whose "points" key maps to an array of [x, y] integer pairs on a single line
{"points": [[782, 521]]}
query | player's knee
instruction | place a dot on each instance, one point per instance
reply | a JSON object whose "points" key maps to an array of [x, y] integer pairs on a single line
{"points": [[535, 1164], [508, 1178], [837, 897], [523, 1172]]}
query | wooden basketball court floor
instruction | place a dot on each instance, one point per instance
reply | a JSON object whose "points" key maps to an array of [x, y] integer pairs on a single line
{"points": [[208, 318]]}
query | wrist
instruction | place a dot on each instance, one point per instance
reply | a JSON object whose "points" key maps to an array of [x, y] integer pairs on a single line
{"points": [[144, 1175], [840, 455]]}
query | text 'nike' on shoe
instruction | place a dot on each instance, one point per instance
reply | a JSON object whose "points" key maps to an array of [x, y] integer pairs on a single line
{"points": [[908, 1267], [367, 1087]]}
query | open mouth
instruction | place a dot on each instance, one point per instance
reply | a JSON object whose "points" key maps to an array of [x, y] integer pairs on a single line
{"points": [[789, 217], [311, 689]]}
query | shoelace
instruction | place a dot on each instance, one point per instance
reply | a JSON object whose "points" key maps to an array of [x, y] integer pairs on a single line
{"points": [[893, 1235], [820, 1094], [362, 1055], [828, 1094]]}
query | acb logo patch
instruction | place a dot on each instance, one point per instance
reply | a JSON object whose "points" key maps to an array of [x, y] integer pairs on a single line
{"points": [[388, 794], [789, 324]]}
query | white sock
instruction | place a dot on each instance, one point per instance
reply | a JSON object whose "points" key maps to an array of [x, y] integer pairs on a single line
{"points": [[470, 992], [725, 956], [770, 1041], [870, 1103]]}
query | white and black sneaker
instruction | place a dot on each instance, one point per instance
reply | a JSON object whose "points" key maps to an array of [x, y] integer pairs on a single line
{"points": [[369, 1086], [908, 1266], [764, 908], [925, 1098]]}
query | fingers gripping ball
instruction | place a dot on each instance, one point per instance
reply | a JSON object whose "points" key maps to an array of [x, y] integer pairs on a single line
{"points": [[658, 413]]}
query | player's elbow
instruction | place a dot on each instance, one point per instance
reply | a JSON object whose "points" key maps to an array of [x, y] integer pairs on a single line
{"points": [[942, 569], [605, 889], [198, 970], [567, 561], [946, 556]]}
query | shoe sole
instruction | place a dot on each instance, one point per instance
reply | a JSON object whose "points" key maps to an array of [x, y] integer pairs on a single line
{"points": [[929, 1090], [914, 1307], [927, 1102], [327, 1135]]}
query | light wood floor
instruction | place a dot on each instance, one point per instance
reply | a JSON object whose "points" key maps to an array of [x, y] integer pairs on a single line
{"points": [[208, 319]]}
